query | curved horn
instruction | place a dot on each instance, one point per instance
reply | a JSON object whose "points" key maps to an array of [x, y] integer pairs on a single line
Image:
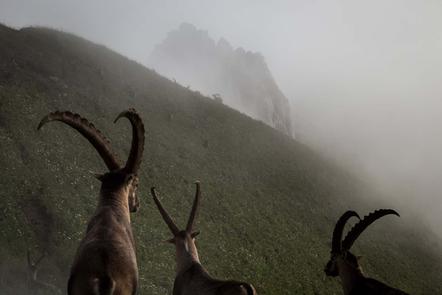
{"points": [[354, 233], [136, 150], [173, 228], [339, 228], [88, 130], [194, 208]]}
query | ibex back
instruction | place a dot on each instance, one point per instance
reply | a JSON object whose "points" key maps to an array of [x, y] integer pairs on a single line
{"points": [[105, 262], [344, 264], [191, 277]]}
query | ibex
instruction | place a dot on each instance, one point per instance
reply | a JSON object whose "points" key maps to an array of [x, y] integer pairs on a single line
{"points": [[191, 277], [346, 265], [34, 282], [105, 262]]}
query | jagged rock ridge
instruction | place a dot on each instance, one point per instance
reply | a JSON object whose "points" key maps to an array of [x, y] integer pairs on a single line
{"points": [[241, 78]]}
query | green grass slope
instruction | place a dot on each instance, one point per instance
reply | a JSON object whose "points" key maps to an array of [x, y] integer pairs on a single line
{"points": [[269, 203]]}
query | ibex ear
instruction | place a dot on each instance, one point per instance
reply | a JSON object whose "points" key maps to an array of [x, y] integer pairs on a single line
{"points": [[172, 241], [129, 178], [98, 176], [194, 234]]}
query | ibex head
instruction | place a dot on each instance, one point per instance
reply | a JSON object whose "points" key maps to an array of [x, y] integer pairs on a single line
{"points": [[119, 178], [183, 239], [340, 252]]}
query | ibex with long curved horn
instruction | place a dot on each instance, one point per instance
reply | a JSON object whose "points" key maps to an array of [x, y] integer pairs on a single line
{"points": [[191, 277], [105, 262], [346, 265]]}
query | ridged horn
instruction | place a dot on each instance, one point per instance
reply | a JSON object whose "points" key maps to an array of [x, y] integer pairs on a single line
{"points": [[339, 228], [172, 226], [195, 206], [359, 227], [136, 150], [88, 130]]}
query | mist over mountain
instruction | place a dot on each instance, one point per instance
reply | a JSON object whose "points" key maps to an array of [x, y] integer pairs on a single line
{"points": [[269, 203], [240, 78]]}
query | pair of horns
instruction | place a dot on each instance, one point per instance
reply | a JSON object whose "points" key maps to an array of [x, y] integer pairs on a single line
{"points": [[100, 142], [339, 245], [170, 223]]}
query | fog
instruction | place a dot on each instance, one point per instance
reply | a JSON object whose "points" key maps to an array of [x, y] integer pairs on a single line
{"points": [[363, 77]]}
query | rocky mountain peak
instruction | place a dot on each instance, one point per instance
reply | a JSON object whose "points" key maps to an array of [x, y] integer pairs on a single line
{"points": [[239, 77]]}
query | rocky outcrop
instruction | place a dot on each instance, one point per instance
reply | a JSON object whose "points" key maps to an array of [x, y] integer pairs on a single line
{"points": [[240, 78]]}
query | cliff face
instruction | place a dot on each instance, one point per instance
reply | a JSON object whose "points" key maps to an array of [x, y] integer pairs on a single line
{"points": [[240, 78]]}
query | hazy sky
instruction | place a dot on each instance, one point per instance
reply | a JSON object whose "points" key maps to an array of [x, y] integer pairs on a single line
{"points": [[364, 77]]}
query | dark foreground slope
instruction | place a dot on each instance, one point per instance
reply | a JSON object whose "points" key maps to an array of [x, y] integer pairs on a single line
{"points": [[269, 203]]}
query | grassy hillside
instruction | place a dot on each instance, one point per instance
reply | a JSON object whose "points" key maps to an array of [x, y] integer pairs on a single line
{"points": [[269, 203]]}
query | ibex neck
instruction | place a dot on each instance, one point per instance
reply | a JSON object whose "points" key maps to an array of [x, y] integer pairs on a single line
{"points": [[117, 200], [186, 255], [350, 276]]}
